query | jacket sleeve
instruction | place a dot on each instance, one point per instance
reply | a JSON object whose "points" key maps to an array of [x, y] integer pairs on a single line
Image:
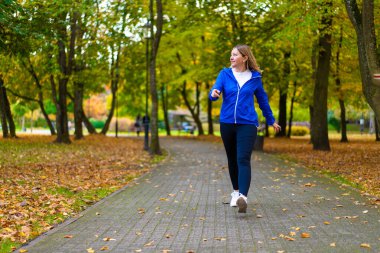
{"points": [[262, 99], [218, 85]]}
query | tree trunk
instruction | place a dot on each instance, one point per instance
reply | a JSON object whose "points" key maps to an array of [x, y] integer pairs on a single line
{"points": [[343, 121], [4, 124], [311, 113], [339, 90], [8, 113], [369, 59], [78, 110], [90, 128], [284, 96], [115, 72], [198, 109], [155, 144], [314, 62], [65, 62], [319, 120], [114, 84], [40, 101], [209, 113], [377, 130], [61, 116], [79, 67], [164, 98], [291, 110], [193, 111]]}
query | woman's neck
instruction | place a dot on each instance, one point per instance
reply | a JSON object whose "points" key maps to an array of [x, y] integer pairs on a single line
{"points": [[239, 68]]}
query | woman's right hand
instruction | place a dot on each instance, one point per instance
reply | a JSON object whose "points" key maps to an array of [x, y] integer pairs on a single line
{"points": [[215, 93]]}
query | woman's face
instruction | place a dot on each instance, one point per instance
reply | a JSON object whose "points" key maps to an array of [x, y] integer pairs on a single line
{"points": [[237, 59]]}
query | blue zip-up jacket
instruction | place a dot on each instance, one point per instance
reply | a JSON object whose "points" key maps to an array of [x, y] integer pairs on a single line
{"points": [[237, 106]]}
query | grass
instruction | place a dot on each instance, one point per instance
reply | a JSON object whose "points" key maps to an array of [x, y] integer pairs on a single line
{"points": [[55, 181], [7, 245]]}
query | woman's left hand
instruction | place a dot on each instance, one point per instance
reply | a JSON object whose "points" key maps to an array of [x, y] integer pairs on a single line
{"points": [[276, 127]]}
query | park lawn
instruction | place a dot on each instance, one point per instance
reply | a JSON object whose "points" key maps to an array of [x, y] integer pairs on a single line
{"points": [[356, 163], [43, 183]]}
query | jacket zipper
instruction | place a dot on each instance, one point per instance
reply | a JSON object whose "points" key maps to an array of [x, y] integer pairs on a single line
{"points": [[237, 98]]}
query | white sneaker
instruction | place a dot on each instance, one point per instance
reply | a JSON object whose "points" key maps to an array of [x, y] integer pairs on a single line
{"points": [[234, 198], [242, 203]]}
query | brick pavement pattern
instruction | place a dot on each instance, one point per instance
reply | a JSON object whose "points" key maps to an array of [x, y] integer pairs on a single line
{"points": [[183, 206]]}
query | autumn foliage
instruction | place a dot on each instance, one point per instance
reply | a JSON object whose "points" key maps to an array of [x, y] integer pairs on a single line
{"points": [[44, 183]]}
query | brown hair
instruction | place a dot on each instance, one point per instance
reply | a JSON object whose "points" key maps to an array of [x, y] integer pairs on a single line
{"points": [[245, 50]]}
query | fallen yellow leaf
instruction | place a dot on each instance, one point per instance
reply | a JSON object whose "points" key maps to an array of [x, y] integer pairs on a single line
{"points": [[326, 223], [149, 244], [23, 250], [365, 245], [68, 236], [90, 250], [305, 235], [333, 244], [104, 248], [107, 239]]}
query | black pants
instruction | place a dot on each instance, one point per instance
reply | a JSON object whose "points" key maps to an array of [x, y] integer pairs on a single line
{"points": [[238, 141]]}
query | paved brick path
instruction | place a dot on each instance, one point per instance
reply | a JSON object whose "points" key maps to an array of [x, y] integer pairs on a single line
{"points": [[181, 207]]}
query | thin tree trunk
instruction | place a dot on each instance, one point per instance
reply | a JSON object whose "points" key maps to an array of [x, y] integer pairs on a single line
{"points": [[78, 110], [291, 110], [155, 144], [198, 109], [8, 113], [284, 96], [314, 62], [90, 128], [209, 113], [115, 73], [340, 92], [40, 101], [319, 123], [4, 124], [192, 110], [311, 113], [343, 121], [165, 109], [377, 130]]}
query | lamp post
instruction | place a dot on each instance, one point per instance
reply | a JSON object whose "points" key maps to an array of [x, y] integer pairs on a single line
{"points": [[146, 116]]}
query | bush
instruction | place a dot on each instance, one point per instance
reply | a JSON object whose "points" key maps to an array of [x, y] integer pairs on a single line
{"points": [[97, 123], [296, 131], [300, 130]]}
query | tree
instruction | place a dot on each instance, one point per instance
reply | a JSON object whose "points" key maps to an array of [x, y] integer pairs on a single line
{"points": [[156, 37], [319, 130], [369, 56], [5, 111]]}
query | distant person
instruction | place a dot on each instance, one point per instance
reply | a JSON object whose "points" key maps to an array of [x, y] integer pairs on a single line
{"points": [[138, 124], [238, 118], [361, 122]]}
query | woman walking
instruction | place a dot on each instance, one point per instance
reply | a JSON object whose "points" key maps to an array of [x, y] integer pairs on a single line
{"points": [[238, 118]]}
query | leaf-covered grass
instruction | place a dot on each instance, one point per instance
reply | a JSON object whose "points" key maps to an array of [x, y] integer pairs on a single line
{"points": [[355, 163], [43, 183]]}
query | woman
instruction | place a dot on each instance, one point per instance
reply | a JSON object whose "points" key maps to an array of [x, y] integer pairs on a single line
{"points": [[238, 118]]}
